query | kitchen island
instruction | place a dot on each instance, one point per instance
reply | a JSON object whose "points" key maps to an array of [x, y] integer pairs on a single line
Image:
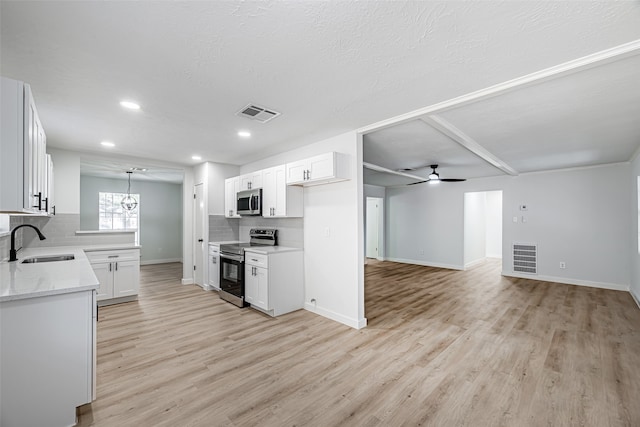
{"points": [[48, 336]]}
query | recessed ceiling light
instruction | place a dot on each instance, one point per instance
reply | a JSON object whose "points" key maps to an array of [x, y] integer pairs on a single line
{"points": [[107, 144], [244, 134], [130, 105], [196, 157]]}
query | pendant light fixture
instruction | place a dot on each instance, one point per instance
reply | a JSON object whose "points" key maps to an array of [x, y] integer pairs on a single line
{"points": [[129, 203]]}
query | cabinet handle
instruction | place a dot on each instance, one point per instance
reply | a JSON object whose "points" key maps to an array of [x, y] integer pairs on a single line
{"points": [[200, 240], [113, 256], [308, 175], [39, 205], [110, 266], [46, 204], [116, 266]]}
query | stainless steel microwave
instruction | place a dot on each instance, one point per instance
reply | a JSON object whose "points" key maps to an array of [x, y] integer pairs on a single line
{"points": [[249, 202]]}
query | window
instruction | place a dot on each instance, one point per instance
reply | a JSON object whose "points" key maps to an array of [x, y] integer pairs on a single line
{"points": [[111, 215]]}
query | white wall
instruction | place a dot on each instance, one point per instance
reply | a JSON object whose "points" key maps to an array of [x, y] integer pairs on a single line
{"points": [[66, 183], [635, 214], [494, 224], [578, 216], [333, 233], [160, 214], [475, 228]]}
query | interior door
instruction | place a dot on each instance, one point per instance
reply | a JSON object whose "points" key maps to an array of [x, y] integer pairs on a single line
{"points": [[199, 253], [372, 228]]}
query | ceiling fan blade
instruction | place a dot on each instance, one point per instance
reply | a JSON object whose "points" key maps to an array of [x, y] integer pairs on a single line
{"points": [[419, 182], [452, 179]]}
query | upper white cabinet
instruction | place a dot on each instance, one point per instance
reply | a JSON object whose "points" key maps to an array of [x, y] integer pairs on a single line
{"points": [[278, 199], [23, 152], [251, 181], [231, 188], [321, 169]]}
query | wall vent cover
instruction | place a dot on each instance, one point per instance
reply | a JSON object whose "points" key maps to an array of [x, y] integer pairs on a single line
{"points": [[525, 258], [256, 112]]}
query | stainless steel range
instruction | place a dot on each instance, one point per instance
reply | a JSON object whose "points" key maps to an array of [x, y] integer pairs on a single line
{"points": [[232, 264]]}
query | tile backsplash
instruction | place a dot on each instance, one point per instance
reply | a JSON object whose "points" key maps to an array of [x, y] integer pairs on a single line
{"points": [[222, 228], [290, 230], [59, 230]]}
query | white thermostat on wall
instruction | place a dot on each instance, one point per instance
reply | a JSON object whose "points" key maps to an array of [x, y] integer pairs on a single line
{"points": [[524, 207]]}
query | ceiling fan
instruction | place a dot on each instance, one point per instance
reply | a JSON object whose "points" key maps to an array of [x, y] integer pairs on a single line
{"points": [[434, 177]]}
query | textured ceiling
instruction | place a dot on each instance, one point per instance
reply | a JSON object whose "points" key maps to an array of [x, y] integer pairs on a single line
{"points": [[327, 66]]}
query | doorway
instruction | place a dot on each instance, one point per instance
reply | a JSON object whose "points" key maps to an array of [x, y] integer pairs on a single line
{"points": [[374, 230], [482, 227], [198, 236]]}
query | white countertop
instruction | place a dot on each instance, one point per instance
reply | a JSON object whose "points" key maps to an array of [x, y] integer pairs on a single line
{"points": [[227, 242], [20, 281], [266, 250]]}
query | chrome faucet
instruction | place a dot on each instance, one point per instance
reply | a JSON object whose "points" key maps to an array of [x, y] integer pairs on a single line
{"points": [[13, 252]]}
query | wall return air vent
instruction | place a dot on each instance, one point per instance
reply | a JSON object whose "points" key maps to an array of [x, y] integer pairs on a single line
{"points": [[255, 112], [525, 258]]}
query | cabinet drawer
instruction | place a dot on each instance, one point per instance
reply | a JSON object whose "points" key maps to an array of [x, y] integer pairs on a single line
{"points": [[106, 256], [258, 260]]}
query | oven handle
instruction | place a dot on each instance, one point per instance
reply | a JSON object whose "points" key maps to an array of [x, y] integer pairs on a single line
{"points": [[233, 258]]}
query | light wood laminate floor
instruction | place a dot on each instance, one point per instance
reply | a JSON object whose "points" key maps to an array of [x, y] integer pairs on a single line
{"points": [[443, 348]]}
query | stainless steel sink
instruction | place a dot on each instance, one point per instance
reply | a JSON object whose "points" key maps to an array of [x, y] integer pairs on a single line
{"points": [[52, 258]]}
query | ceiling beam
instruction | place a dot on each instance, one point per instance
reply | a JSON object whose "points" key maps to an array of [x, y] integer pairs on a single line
{"points": [[449, 130], [377, 168], [590, 61]]}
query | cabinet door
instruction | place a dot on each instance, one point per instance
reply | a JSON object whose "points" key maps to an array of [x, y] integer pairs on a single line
{"points": [[261, 280], [250, 284], [245, 182], [126, 278], [105, 277], [231, 188], [321, 167], [296, 172], [32, 132], [50, 198], [214, 271], [280, 191], [269, 192]]}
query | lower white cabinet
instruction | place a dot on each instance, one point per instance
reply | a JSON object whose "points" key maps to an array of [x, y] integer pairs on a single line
{"points": [[274, 281], [118, 272], [47, 362]]}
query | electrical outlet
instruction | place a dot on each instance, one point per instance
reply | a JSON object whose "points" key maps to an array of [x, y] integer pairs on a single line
{"points": [[563, 264], [421, 252]]}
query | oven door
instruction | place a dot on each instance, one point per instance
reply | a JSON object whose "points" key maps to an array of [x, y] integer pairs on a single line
{"points": [[232, 279]]}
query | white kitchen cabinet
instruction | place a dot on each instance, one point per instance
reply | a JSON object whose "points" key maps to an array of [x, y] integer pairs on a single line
{"points": [[321, 169], [278, 199], [256, 286], [251, 181], [231, 188], [274, 282], [214, 266], [118, 273], [47, 363], [23, 156], [49, 201]]}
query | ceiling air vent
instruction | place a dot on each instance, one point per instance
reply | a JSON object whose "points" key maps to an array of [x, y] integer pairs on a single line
{"points": [[255, 112], [525, 258]]}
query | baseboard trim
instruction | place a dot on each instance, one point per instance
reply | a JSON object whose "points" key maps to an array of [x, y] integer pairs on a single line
{"points": [[426, 264], [566, 281], [188, 281], [160, 261], [474, 263], [353, 323]]}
